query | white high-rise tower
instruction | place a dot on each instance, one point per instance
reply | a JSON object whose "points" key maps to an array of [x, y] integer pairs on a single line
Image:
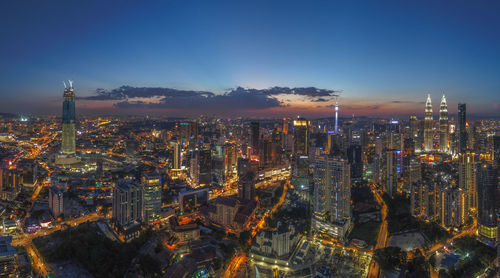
{"points": [[443, 126], [428, 125]]}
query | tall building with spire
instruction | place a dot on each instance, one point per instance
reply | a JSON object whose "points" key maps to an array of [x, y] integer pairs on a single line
{"points": [[443, 126], [68, 121], [428, 124], [336, 117], [68, 145]]}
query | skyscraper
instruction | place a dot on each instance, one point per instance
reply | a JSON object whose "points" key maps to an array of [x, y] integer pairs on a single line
{"points": [[205, 166], [467, 178], [462, 130], [413, 127], [486, 192], [391, 172], [428, 125], [127, 203], [68, 145], [176, 161], [300, 134], [255, 137], [246, 186], [332, 195], [56, 201], [151, 191], [443, 126], [68, 121], [354, 153], [452, 212]]}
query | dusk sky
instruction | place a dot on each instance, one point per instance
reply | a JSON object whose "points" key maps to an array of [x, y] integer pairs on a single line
{"points": [[382, 57]]}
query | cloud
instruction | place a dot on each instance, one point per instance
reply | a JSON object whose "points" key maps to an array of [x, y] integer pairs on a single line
{"points": [[301, 91], [408, 101], [235, 99], [321, 100], [125, 92]]}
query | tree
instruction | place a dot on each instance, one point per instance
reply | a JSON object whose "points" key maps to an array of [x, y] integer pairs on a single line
{"points": [[390, 257]]}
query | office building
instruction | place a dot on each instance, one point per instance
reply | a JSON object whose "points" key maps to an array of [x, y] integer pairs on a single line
{"points": [[354, 153], [127, 203], [246, 186], [443, 127], [391, 172], [487, 181], [201, 167], [151, 192], [462, 129], [205, 167], [300, 136], [10, 183], [255, 137], [413, 127]]}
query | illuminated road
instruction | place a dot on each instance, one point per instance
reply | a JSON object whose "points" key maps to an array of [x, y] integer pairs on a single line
{"points": [[382, 234], [239, 259], [26, 240]]}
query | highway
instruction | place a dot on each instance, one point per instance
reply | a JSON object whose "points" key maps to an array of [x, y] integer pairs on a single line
{"points": [[382, 234]]}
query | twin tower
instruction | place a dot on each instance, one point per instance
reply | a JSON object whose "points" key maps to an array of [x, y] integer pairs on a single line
{"points": [[444, 142]]}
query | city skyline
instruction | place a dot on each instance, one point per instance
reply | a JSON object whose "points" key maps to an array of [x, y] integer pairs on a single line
{"points": [[237, 139], [382, 58]]}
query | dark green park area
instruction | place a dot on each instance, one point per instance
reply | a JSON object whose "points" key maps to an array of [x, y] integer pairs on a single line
{"points": [[101, 256]]}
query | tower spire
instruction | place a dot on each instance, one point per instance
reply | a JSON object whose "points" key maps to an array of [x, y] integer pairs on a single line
{"points": [[336, 115], [428, 125], [444, 144]]}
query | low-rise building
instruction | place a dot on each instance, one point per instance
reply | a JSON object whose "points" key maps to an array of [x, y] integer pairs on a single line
{"points": [[279, 243]]}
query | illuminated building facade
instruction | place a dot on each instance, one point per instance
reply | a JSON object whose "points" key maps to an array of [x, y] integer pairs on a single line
{"points": [[467, 178], [332, 195], [177, 159], [68, 144], [56, 201], [127, 203], [246, 186], [443, 126], [391, 171], [486, 192], [151, 191], [300, 134], [451, 207], [413, 126], [68, 121], [428, 125], [462, 130]]}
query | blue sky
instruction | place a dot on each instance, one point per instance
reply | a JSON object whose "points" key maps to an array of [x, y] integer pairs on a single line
{"points": [[373, 51]]}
